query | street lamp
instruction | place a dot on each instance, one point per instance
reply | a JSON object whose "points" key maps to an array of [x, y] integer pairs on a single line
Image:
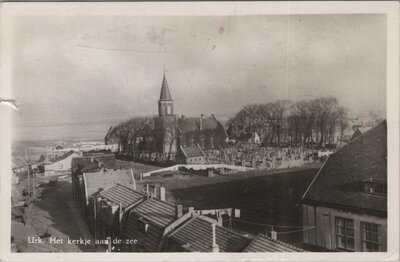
{"points": [[95, 218]]}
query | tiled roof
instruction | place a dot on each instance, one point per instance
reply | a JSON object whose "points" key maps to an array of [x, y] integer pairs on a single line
{"points": [[121, 194], [78, 163], [107, 161], [196, 236], [92, 166], [339, 181], [156, 211], [94, 181], [192, 151], [165, 95], [66, 155], [193, 123], [263, 243], [356, 134]]}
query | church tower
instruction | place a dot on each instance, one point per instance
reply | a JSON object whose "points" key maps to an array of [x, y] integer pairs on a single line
{"points": [[165, 104], [166, 122]]}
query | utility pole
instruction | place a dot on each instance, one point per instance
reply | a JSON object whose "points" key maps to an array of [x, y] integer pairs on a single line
{"points": [[27, 165], [34, 185]]}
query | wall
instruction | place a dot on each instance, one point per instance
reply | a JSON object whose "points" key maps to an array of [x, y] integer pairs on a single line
{"points": [[196, 160], [323, 219], [59, 166]]}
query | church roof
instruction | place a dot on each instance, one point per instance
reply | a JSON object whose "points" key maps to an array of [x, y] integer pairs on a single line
{"points": [[165, 95], [192, 124], [192, 151]]}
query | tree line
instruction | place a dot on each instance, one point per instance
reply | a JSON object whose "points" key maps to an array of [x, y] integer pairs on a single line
{"points": [[297, 123], [132, 135]]}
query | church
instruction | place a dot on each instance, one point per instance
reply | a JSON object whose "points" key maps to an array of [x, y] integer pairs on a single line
{"points": [[176, 133]]}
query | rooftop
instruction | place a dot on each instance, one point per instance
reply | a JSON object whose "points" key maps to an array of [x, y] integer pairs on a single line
{"points": [[186, 124], [339, 182], [156, 211], [263, 243], [121, 194], [196, 236], [66, 155], [192, 151], [94, 181]]}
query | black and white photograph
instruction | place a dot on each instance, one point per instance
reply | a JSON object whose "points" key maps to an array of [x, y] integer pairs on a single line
{"points": [[215, 129]]}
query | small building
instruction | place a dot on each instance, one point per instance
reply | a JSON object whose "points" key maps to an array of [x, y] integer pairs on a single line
{"points": [[94, 184], [60, 165], [191, 155], [345, 207], [255, 139], [88, 164], [203, 234], [98, 181], [113, 204]]}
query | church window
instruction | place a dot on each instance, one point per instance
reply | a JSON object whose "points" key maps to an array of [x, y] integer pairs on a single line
{"points": [[168, 109], [212, 141], [202, 142]]}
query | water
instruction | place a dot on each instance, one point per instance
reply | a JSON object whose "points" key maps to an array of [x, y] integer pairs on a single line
{"points": [[36, 135]]}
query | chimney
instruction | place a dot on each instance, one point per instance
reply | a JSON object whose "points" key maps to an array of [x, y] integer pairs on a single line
{"points": [[190, 209], [121, 214], [274, 234], [147, 189], [215, 247], [201, 122], [179, 210], [155, 191], [162, 193], [219, 219]]}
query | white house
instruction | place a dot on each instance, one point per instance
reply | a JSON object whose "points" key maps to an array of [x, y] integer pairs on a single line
{"points": [[60, 165], [255, 138]]}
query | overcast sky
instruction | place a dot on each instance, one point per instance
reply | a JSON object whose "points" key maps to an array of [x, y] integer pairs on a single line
{"points": [[64, 67]]}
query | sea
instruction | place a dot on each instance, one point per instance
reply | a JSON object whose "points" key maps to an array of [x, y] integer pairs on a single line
{"points": [[37, 135]]}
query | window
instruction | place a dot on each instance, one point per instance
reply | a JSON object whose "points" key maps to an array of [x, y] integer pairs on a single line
{"points": [[168, 110], [212, 141], [202, 142], [370, 237], [375, 188], [344, 233]]}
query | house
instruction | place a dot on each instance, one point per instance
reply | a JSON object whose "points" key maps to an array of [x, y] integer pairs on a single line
{"points": [[87, 164], [60, 165], [191, 155], [345, 206], [263, 243], [150, 222], [113, 204], [94, 183], [203, 234], [98, 181], [255, 139]]}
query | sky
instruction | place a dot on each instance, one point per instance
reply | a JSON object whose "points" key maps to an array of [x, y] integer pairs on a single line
{"points": [[68, 69]]}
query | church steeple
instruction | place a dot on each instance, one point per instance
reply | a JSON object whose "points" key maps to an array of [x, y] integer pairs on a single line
{"points": [[165, 95], [165, 104]]}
